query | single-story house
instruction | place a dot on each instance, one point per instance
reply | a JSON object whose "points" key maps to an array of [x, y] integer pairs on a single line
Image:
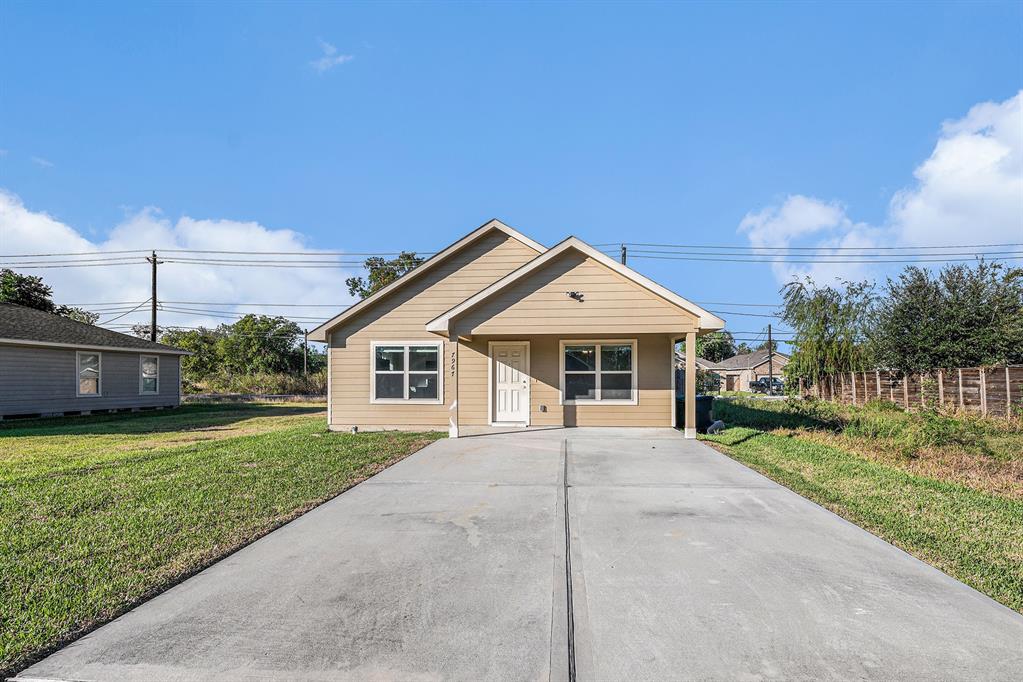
{"points": [[52, 365], [739, 370], [496, 330]]}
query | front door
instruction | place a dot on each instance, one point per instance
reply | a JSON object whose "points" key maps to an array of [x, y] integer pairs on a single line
{"points": [[510, 372]]}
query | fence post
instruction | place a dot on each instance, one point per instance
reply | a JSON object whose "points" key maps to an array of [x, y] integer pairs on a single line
{"points": [[877, 377], [1008, 393], [941, 387], [983, 390], [905, 391], [961, 406], [891, 386], [922, 404], [852, 382]]}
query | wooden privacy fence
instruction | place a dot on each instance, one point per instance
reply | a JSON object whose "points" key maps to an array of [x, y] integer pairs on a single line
{"points": [[990, 391]]}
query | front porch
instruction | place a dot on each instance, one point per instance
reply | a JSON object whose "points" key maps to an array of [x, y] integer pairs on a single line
{"points": [[512, 383]]}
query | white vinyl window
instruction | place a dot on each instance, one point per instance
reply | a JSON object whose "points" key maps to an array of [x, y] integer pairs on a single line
{"points": [[603, 372], [406, 372], [89, 366], [149, 374]]}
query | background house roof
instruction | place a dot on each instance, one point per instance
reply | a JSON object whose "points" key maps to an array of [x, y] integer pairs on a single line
{"points": [[18, 323], [747, 360]]}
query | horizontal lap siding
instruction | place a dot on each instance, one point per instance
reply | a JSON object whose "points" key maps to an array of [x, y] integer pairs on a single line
{"points": [[403, 316], [44, 380], [539, 304], [654, 382]]}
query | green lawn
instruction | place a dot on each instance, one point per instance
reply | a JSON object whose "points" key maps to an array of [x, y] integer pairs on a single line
{"points": [[943, 499], [100, 513]]}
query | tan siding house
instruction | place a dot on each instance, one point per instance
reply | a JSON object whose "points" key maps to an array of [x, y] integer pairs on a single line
{"points": [[497, 330]]}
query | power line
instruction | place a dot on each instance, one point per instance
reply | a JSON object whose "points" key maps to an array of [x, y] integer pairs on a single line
{"points": [[810, 261], [828, 248], [130, 311]]}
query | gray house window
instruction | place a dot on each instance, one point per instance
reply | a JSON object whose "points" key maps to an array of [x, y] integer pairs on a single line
{"points": [[149, 374], [90, 371]]}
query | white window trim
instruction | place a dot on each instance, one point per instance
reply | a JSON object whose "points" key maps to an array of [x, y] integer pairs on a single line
{"points": [[439, 400], [157, 391], [78, 374], [599, 342]]}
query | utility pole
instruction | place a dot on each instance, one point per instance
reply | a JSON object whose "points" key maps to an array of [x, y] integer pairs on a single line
{"points": [[770, 363], [305, 354], [152, 301], [624, 254]]}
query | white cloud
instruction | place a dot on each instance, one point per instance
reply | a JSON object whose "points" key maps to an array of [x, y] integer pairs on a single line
{"points": [[968, 191], [41, 162], [23, 231], [330, 58]]}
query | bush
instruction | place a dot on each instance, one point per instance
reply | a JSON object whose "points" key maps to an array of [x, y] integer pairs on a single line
{"points": [[267, 383]]}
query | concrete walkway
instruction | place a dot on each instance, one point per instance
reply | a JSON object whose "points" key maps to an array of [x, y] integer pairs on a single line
{"points": [[452, 565]]}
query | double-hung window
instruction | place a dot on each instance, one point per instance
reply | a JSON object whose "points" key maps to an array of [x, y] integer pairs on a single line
{"points": [[149, 374], [603, 372], [89, 366], [406, 372]]}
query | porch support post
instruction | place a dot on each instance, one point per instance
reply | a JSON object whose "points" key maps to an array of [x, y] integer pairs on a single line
{"points": [[690, 424], [453, 379]]}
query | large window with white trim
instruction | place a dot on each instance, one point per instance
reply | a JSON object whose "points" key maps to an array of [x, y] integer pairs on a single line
{"points": [[406, 372], [90, 373], [149, 374], [602, 371]]}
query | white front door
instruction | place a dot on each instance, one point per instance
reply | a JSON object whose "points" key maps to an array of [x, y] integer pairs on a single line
{"points": [[510, 372]]}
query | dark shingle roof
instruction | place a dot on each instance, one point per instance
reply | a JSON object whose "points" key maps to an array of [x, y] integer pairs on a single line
{"points": [[748, 360], [18, 323]]}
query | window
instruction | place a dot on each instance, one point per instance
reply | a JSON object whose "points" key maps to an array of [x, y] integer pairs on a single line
{"points": [[599, 372], [149, 374], [90, 369], [406, 371]]}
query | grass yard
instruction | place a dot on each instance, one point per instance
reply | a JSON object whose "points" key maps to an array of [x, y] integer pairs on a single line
{"points": [[947, 489], [100, 513]]}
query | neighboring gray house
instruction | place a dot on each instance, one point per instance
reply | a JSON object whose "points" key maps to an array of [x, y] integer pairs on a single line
{"points": [[50, 365]]}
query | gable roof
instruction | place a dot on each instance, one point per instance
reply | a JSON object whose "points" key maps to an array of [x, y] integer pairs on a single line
{"points": [[30, 327], [748, 360], [707, 320], [701, 363], [320, 333]]}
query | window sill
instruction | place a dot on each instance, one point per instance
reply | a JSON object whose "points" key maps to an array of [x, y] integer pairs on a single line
{"points": [[600, 402], [403, 401]]}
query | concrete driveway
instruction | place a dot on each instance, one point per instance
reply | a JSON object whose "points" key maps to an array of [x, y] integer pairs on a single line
{"points": [[452, 565]]}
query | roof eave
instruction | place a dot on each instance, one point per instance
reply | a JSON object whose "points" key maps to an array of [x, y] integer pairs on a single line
{"points": [[321, 332]]}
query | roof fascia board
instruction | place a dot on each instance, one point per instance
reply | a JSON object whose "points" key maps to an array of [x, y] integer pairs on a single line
{"points": [[320, 333], [84, 346], [707, 321]]}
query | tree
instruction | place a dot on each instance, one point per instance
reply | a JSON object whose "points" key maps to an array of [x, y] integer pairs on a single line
{"points": [[830, 326], [259, 343], [743, 348], [201, 342], [764, 346], [30, 291], [964, 316], [26, 290], [381, 273], [716, 346]]}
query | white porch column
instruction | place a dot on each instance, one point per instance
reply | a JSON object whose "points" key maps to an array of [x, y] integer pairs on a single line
{"points": [[690, 419]]}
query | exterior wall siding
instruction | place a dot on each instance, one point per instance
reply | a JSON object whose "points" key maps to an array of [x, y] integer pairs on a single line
{"points": [[45, 380], [654, 365], [539, 304], [403, 317]]}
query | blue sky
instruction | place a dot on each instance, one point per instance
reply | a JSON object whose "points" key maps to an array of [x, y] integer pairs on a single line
{"points": [[642, 122]]}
